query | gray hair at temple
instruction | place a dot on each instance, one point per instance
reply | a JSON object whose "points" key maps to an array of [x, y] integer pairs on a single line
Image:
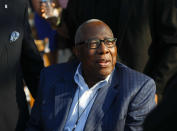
{"points": [[79, 32]]}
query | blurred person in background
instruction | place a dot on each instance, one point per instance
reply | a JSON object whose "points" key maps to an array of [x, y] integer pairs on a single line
{"points": [[163, 117], [48, 36], [46, 28], [147, 31], [19, 60], [45, 33]]}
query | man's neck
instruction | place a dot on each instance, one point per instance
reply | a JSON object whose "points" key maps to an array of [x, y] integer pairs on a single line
{"points": [[92, 79]]}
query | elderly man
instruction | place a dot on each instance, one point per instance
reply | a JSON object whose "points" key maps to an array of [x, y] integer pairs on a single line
{"points": [[97, 94]]}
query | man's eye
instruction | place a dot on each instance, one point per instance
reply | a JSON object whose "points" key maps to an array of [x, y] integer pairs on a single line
{"points": [[93, 44], [94, 41], [109, 42]]}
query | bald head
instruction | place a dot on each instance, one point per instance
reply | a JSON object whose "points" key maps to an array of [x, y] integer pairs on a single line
{"points": [[90, 25]]}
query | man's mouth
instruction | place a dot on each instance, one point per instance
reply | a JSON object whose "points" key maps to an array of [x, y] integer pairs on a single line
{"points": [[103, 62]]}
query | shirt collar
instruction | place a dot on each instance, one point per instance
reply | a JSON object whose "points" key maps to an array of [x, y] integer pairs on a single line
{"points": [[82, 84]]}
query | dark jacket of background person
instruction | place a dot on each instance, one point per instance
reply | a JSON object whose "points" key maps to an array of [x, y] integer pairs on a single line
{"points": [[146, 30], [18, 59], [163, 117]]}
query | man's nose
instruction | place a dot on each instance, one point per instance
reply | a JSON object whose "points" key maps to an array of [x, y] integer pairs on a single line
{"points": [[102, 49]]}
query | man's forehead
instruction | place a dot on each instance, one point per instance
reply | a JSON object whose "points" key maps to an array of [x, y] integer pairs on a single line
{"points": [[92, 28], [93, 25], [95, 30]]}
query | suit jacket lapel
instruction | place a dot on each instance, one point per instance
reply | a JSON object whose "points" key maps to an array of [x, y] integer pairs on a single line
{"points": [[102, 103], [63, 100], [125, 11], [64, 92]]}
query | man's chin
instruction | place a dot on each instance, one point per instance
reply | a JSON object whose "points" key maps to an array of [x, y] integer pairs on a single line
{"points": [[104, 73]]}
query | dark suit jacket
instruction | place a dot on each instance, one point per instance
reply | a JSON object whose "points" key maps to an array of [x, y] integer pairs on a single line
{"points": [[163, 117], [19, 59], [123, 106], [146, 32]]}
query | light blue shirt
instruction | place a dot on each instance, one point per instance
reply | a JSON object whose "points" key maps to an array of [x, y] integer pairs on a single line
{"points": [[86, 98]]}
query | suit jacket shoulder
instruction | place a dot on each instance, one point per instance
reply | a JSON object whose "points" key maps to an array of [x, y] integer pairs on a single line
{"points": [[57, 72], [129, 75]]}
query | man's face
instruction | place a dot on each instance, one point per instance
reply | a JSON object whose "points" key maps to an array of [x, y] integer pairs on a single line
{"points": [[101, 61]]}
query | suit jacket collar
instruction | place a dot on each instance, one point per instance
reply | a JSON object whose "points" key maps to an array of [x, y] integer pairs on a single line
{"points": [[64, 96], [63, 101]]}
